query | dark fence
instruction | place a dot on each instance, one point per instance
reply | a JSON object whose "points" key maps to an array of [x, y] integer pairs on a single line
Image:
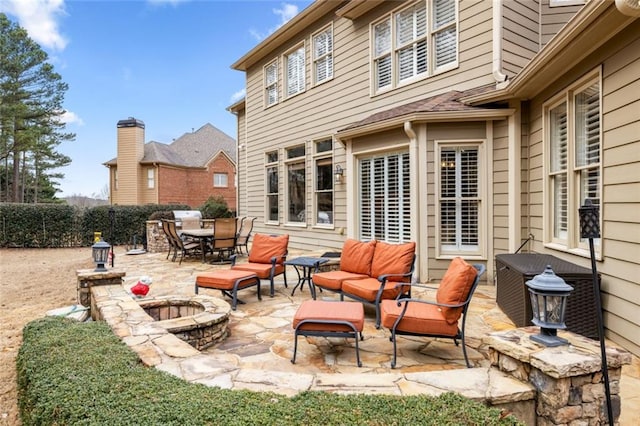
{"points": [[60, 225]]}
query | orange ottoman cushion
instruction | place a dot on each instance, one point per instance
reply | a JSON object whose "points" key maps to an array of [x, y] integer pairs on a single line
{"points": [[224, 279], [352, 312]]}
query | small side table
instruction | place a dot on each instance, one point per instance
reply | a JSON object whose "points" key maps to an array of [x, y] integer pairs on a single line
{"points": [[304, 266]]}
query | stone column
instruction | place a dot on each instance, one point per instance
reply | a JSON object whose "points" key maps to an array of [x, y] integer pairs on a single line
{"points": [[156, 240], [568, 379], [88, 278]]}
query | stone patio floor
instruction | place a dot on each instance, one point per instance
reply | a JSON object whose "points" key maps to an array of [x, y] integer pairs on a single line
{"points": [[261, 338]]}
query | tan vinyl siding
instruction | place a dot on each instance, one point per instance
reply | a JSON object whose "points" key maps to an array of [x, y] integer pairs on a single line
{"points": [[242, 164], [520, 34], [554, 18], [620, 263], [322, 110], [500, 208]]}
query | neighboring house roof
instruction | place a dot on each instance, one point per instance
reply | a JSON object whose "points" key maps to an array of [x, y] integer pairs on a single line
{"points": [[194, 149], [446, 105]]}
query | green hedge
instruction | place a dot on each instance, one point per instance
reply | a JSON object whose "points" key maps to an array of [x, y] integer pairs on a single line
{"points": [[72, 373], [60, 225]]}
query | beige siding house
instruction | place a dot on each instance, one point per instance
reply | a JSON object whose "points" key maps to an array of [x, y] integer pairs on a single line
{"points": [[464, 126]]}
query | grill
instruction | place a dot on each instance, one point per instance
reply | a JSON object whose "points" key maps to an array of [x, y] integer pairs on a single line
{"points": [[512, 295]]}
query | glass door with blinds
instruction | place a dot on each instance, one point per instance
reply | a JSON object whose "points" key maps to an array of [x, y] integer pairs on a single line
{"points": [[384, 198]]}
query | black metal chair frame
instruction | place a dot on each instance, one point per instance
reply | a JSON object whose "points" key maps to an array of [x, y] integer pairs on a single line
{"points": [[243, 234], [461, 330], [352, 334], [236, 286]]}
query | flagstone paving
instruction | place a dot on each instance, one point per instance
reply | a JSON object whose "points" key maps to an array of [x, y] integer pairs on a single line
{"points": [[256, 355]]}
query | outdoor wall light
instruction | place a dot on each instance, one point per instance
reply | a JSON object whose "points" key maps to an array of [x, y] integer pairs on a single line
{"points": [[100, 252], [549, 295], [338, 174]]}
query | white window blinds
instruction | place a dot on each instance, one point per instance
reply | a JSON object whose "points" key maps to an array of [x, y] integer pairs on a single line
{"points": [[323, 55], [295, 72], [384, 198], [271, 83]]}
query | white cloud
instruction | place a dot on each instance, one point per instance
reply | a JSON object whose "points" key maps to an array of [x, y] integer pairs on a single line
{"points": [[69, 117], [238, 95], [286, 13], [40, 19], [165, 2]]}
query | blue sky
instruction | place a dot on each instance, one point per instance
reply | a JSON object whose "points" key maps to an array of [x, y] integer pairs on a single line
{"points": [[165, 62]]}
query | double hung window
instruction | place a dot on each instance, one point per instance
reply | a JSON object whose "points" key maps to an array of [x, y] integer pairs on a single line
{"points": [[324, 182], [459, 199], [271, 170], [220, 180], [295, 69], [271, 83], [151, 178], [414, 42], [296, 185], [384, 198], [574, 129], [323, 56]]}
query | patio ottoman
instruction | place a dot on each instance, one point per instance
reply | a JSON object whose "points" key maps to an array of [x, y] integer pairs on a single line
{"points": [[329, 319], [228, 281]]}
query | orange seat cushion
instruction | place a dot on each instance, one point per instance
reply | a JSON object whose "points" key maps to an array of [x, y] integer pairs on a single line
{"points": [[454, 287], [392, 258], [352, 312], [367, 289], [264, 247], [332, 280], [420, 318], [262, 270], [356, 256], [225, 279]]}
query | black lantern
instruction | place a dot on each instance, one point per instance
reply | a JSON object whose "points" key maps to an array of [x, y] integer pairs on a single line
{"points": [[549, 295], [100, 252], [589, 220], [338, 174]]}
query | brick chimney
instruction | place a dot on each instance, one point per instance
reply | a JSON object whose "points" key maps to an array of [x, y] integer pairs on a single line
{"points": [[130, 153]]}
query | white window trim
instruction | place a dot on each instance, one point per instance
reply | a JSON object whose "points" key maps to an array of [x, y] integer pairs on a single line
{"points": [[287, 162], [275, 83], [151, 178], [572, 244], [317, 156], [560, 3], [285, 66], [483, 194], [267, 166], [215, 184], [314, 59], [431, 67]]}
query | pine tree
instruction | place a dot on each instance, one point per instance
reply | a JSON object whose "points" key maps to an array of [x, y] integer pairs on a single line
{"points": [[31, 98]]}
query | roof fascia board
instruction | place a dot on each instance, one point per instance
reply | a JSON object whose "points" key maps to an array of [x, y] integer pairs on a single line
{"points": [[426, 117], [283, 34], [577, 39], [356, 8]]}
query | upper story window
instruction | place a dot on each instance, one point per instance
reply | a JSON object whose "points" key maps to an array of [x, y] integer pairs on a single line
{"points": [[323, 56], [271, 83], [414, 42], [220, 180], [573, 142], [151, 178], [271, 178], [295, 71]]}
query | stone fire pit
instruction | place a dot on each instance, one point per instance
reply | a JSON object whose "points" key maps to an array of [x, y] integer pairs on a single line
{"points": [[201, 321]]}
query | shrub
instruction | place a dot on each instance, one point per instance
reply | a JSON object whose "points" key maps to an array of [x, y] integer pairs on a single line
{"points": [[81, 373], [215, 207]]}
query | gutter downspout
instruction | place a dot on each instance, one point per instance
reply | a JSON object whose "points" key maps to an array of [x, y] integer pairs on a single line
{"points": [[498, 75], [415, 199]]}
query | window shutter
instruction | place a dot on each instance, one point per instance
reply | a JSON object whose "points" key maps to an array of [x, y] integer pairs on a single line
{"points": [[271, 80], [382, 38], [295, 72], [588, 126]]}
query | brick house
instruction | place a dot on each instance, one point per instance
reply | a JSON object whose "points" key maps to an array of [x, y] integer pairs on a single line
{"points": [[191, 169]]}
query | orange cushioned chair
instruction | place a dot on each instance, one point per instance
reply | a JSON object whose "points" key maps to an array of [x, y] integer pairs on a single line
{"points": [[391, 264], [439, 318], [355, 264], [266, 257]]}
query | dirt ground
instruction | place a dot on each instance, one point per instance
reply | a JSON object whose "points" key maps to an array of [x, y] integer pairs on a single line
{"points": [[32, 281]]}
